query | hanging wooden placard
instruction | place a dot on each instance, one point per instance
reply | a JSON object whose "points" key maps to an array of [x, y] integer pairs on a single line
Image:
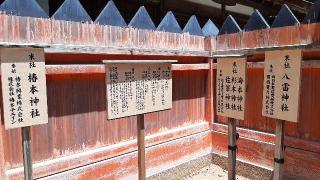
{"points": [[281, 93], [138, 88], [231, 87], [24, 90]]}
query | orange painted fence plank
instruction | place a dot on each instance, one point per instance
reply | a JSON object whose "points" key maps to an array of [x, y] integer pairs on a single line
{"points": [[158, 158], [77, 121], [64, 36], [298, 164], [312, 146], [306, 128], [256, 141], [251, 151]]}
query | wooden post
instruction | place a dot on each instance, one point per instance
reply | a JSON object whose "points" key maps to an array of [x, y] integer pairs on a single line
{"points": [[26, 146], [279, 150], [141, 147], [232, 147], [210, 94]]}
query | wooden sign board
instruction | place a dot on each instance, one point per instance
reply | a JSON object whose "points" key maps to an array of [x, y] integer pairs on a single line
{"points": [[138, 88], [231, 87], [24, 90], [281, 92]]}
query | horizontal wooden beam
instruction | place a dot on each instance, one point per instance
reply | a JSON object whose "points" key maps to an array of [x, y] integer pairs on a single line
{"points": [[100, 69], [251, 151], [292, 142], [189, 67], [246, 133], [259, 153], [137, 61], [266, 10], [66, 49], [305, 64], [192, 134], [301, 6]]}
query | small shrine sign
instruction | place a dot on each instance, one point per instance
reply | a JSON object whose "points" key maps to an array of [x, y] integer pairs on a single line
{"points": [[24, 91], [231, 87], [137, 88], [282, 79]]}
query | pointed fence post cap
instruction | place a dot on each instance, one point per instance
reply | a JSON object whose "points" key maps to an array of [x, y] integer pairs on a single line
{"points": [[29, 8], [256, 22], [229, 26], [210, 29], [193, 27], [110, 15], [285, 17], [71, 10], [169, 24], [142, 20]]}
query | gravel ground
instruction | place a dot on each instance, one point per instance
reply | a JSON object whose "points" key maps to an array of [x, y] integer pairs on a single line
{"points": [[212, 172]]}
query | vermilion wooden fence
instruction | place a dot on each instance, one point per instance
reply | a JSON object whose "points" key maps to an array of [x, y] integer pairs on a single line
{"points": [[80, 143]]}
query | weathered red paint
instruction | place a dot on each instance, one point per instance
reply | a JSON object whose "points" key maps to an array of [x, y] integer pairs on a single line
{"points": [[249, 150], [100, 69], [123, 148], [282, 36], [73, 58], [246, 133], [159, 157], [229, 42], [77, 122], [76, 99], [255, 39], [300, 164], [301, 138]]}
